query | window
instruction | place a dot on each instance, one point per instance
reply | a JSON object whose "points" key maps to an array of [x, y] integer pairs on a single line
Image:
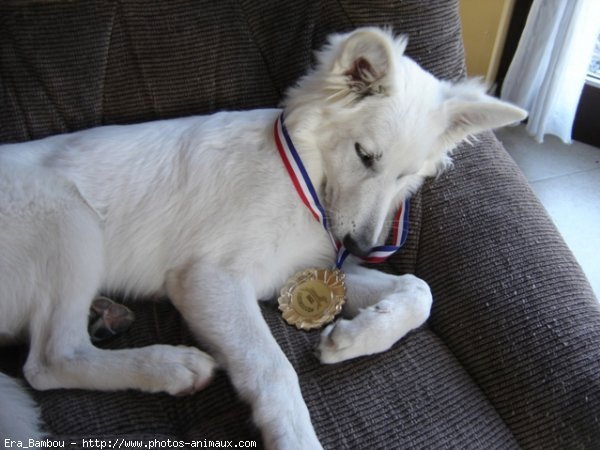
{"points": [[594, 68]]}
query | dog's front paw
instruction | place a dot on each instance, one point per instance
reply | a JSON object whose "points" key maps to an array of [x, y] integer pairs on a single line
{"points": [[374, 329], [338, 342]]}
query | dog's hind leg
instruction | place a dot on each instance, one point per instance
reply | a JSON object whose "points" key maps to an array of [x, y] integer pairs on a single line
{"points": [[380, 309], [222, 310], [61, 354]]}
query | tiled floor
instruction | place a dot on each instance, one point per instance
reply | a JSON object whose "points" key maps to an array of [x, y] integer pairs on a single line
{"points": [[566, 178]]}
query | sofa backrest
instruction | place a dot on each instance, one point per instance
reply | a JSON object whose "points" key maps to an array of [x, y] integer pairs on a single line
{"points": [[69, 65]]}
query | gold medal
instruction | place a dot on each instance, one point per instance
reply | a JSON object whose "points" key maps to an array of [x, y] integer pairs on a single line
{"points": [[312, 297]]}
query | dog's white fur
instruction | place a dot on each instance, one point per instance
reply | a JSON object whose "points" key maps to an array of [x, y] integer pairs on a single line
{"points": [[202, 209]]}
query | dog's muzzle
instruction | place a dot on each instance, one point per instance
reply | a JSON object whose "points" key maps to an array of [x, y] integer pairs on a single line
{"points": [[354, 247]]}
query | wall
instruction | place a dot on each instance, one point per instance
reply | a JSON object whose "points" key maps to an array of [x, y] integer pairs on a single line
{"points": [[485, 24]]}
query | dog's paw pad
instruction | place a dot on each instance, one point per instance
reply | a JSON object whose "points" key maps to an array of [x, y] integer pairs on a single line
{"points": [[108, 319]]}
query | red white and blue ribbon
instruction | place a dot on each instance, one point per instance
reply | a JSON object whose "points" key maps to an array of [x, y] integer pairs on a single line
{"points": [[309, 197]]}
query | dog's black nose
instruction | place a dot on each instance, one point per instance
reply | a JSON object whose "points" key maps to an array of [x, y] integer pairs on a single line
{"points": [[353, 247]]}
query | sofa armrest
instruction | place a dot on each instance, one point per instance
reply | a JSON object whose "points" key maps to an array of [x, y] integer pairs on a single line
{"points": [[510, 300]]}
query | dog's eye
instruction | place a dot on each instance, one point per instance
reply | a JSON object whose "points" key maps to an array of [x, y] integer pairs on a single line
{"points": [[366, 158]]}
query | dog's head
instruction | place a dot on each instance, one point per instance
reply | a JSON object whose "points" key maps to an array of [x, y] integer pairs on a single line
{"points": [[371, 125]]}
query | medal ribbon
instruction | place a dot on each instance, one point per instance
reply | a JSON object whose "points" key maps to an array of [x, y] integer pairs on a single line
{"points": [[308, 195]]}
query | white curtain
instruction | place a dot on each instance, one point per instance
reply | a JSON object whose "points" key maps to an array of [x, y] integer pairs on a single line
{"points": [[549, 68]]}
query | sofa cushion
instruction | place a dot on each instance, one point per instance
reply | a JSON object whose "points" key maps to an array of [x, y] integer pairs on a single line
{"points": [[417, 395]]}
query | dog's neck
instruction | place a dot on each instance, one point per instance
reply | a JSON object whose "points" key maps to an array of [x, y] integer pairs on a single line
{"points": [[302, 131]]}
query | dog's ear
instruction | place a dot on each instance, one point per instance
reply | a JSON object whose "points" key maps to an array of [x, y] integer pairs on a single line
{"points": [[469, 110], [365, 61]]}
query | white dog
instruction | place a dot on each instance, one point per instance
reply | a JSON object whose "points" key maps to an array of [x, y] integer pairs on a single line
{"points": [[202, 209]]}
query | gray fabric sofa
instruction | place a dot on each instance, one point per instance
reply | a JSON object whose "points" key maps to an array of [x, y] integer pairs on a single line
{"points": [[511, 354]]}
